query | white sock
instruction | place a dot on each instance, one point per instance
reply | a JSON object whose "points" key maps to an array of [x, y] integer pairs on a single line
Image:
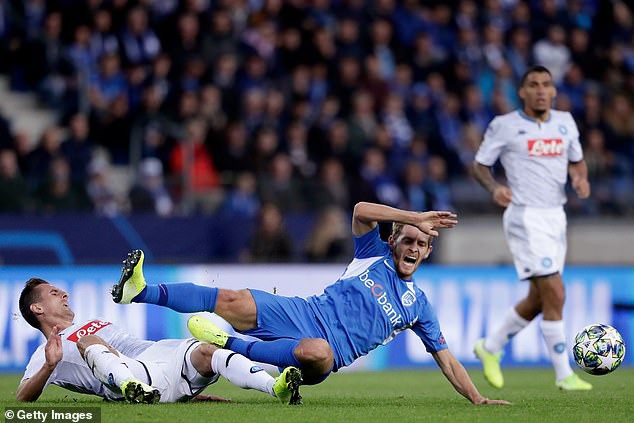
{"points": [[241, 371], [106, 366], [554, 335], [511, 325]]}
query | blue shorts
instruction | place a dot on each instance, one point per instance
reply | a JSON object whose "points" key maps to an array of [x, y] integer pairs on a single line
{"points": [[283, 317]]}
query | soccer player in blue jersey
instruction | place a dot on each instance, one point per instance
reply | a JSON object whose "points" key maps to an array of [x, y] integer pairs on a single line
{"points": [[374, 300]]}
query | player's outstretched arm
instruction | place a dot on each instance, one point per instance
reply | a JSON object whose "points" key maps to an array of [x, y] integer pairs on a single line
{"points": [[366, 216], [457, 375], [30, 389]]}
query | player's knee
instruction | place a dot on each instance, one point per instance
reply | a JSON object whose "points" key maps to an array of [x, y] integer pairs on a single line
{"points": [[315, 352], [201, 358], [229, 299]]}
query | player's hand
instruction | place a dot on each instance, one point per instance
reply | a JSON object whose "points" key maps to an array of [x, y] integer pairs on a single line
{"points": [[436, 219], [486, 401], [581, 187], [53, 350], [502, 195]]}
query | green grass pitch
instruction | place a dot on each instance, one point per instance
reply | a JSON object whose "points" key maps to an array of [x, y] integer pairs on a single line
{"points": [[391, 397]]}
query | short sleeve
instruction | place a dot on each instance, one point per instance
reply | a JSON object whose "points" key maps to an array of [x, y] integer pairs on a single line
{"points": [[428, 329], [575, 151], [492, 144], [370, 245]]}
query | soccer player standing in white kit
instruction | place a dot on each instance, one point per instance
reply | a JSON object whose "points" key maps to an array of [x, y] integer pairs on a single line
{"points": [[538, 147]]}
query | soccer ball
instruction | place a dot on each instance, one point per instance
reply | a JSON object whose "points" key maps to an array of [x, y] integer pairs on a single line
{"points": [[599, 349]]}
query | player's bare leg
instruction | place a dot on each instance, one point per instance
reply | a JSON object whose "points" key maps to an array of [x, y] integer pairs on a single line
{"points": [[552, 294]]}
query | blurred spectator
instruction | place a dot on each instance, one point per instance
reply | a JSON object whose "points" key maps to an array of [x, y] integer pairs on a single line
{"points": [[139, 43], [193, 163], [78, 147], [297, 147], [103, 198], [242, 199], [414, 187], [47, 69], [553, 53], [574, 87], [437, 184], [148, 194], [57, 193], [103, 40], [331, 188], [608, 174], [152, 130], [218, 37], [620, 125], [361, 124], [14, 192], [40, 158], [398, 127], [519, 52], [329, 240], [375, 174], [280, 186], [271, 242], [107, 85]]}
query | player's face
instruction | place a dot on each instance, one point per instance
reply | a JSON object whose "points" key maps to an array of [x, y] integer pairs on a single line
{"points": [[53, 302], [537, 93], [409, 249]]}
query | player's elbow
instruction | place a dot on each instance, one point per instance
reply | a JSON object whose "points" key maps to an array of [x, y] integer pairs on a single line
{"points": [[22, 396], [360, 211]]}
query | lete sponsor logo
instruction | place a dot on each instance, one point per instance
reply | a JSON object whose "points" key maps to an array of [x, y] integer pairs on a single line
{"points": [[546, 147], [89, 328]]}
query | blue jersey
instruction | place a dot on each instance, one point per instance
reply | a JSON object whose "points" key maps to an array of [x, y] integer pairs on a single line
{"points": [[370, 304]]}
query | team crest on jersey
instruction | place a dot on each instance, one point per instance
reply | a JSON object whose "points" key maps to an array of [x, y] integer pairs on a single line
{"points": [[408, 298], [546, 147], [89, 328], [563, 130]]}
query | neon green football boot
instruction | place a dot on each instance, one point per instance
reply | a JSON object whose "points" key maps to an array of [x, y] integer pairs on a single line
{"points": [[137, 392], [132, 281], [204, 330], [573, 383], [287, 384], [490, 364]]}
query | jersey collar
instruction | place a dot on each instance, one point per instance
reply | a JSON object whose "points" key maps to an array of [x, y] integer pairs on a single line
{"points": [[527, 117]]}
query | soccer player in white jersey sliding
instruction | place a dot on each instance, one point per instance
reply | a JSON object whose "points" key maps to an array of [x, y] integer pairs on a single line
{"points": [[96, 357], [538, 148], [372, 302]]}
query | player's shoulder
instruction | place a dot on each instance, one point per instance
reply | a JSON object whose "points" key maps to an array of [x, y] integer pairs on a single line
{"points": [[500, 122], [38, 356], [509, 117], [561, 115]]}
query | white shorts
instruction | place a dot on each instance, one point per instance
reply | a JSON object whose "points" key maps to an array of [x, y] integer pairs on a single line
{"points": [[537, 239], [169, 365]]}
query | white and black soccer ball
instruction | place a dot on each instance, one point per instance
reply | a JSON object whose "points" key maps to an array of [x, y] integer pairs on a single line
{"points": [[599, 349]]}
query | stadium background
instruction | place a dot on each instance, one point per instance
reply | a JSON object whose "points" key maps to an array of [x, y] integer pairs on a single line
{"points": [[220, 135]]}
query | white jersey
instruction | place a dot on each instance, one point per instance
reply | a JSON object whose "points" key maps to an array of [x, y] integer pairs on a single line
{"points": [[535, 155], [72, 372]]}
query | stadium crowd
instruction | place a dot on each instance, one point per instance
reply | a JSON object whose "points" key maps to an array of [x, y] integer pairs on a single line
{"points": [[231, 105]]}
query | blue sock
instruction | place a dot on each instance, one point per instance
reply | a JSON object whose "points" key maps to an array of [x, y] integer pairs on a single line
{"points": [[278, 352], [181, 297]]}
